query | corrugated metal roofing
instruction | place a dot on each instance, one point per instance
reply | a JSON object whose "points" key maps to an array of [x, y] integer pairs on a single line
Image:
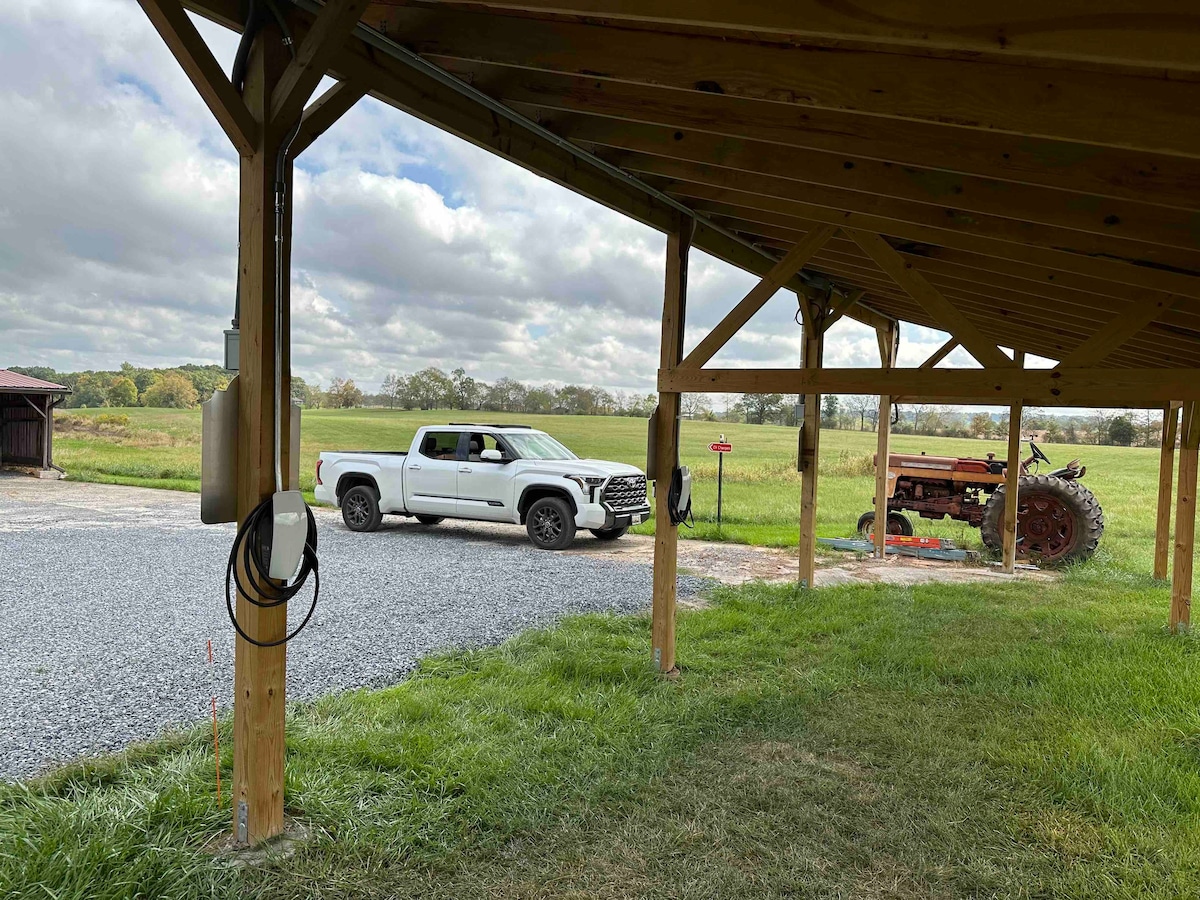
{"points": [[14, 381]]}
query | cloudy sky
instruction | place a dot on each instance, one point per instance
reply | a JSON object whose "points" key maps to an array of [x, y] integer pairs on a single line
{"points": [[118, 218]]}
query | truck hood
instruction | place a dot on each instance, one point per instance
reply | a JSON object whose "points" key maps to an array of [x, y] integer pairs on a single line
{"points": [[600, 467]]}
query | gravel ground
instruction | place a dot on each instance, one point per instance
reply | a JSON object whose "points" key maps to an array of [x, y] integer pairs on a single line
{"points": [[108, 596]]}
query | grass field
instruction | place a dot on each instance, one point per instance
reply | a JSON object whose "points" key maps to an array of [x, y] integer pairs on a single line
{"points": [[161, 448], [934, 741]]}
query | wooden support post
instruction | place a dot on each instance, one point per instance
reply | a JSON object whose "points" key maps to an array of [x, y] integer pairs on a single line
{"points": [[666, 535], [1185, 519], [47, 432], [888, 341], [1166, 466], [814, 345], [1012, 480], [258, 709]]}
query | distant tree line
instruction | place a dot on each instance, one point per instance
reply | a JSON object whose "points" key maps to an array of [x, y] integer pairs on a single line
{"points": [[860, 412], [181, 387], [432, 388]]}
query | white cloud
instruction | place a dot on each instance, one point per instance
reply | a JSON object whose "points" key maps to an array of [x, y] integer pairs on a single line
{"points": [[118, 218]]}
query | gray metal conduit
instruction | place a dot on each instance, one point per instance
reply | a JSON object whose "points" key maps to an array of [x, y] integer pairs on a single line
{"points": [[386, 45]]}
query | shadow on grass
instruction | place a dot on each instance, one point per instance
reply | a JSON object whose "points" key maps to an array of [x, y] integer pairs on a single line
{"points": [[940, 740]]}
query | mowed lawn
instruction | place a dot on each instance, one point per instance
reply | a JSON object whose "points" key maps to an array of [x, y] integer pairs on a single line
{"points": [[161, 448], [991, 740]]}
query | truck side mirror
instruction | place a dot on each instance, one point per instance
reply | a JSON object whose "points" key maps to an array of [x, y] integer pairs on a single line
{"points": [[491, 455]]}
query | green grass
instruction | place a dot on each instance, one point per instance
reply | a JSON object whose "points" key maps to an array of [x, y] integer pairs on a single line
{"points": [[871, 742], [762, 489], [990, 740]]}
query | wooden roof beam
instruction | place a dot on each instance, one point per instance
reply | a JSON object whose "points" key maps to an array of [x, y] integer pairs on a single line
{"points": [[1002, 228], [203, 70], [1007, 254], [952, 320], [1106, 388], [1062, 104], [767, 287], [940, 353], [938, 193], [1157, 34], [1097, 171], [1116, 332], [323, 112], [316, 52]]}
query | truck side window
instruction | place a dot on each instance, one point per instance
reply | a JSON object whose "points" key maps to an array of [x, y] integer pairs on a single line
{"points": [[440, 444], [481, 442]]}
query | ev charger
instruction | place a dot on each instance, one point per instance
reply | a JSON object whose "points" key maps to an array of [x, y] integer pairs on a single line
{"points": [[289, 531]]}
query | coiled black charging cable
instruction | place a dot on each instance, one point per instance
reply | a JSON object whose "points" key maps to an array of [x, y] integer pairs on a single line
{"points": [[256, 564]]}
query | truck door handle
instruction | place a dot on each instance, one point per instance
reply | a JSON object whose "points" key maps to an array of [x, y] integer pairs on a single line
{"points": [[466, 470], [413, 468]]}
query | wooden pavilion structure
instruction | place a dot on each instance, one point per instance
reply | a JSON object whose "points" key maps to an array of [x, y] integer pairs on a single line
{"points": [[1024, 176], [27, 420]]}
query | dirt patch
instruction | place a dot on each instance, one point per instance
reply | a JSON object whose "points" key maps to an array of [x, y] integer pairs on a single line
{"points": [[735, 564]]}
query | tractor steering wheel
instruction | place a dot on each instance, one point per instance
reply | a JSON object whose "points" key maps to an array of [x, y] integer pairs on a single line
{"points": [[1038, 455]]}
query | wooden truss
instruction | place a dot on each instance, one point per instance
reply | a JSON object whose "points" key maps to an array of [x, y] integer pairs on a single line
{"points": [[1046, 205]]}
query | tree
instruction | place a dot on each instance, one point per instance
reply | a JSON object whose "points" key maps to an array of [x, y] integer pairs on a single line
{"points": [[982, 425], [1101, 420], [829, 411], [693, 406], [466, 390], [171, 390], [122, 392], [1120, 431], [91, 390], [431, 389], [860, 405], [391, 389], [305, 394], [344, 394], [760, 408]]}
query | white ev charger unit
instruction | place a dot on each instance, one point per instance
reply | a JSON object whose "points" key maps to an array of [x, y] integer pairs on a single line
{"points": [[289, 532]]}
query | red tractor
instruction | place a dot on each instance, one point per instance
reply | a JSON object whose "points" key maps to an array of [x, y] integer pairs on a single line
{"points": [[1058, 519]]}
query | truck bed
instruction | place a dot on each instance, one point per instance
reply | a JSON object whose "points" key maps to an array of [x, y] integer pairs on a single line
{"points": [[369, 452]]}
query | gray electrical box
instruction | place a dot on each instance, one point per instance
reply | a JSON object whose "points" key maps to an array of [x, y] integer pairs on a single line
{"points": [[218, 454], [233, 349]]}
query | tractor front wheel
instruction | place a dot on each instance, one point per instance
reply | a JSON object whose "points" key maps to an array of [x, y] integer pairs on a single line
{"points": [[1058, 521], [897, 524]]}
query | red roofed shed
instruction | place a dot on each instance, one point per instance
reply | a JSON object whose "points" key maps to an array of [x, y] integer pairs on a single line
{"points": [[26, 419]]}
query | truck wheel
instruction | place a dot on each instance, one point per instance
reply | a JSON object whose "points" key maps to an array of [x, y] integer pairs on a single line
{"points": [[897, 524], [610, 534], [550, 524], [429, 520], [360, 508], [1058, 521]]}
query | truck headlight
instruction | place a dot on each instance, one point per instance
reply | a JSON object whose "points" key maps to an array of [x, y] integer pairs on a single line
{"points": [[587, 484]]}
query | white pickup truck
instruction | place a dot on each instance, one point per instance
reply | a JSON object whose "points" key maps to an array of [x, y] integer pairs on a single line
{"points": [[494, 473]]}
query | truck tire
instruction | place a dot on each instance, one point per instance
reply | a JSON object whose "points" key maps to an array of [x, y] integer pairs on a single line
{"points": [[429, 520], [1058, 521], [897, 524], [610, 534], [550, 524], [360, 508]]}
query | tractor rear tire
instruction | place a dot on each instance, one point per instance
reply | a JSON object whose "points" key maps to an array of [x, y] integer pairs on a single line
{"points": [[897, 524], [1058, 521]]}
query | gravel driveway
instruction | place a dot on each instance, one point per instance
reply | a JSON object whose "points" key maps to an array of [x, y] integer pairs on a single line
{"points": [[109, 594]]}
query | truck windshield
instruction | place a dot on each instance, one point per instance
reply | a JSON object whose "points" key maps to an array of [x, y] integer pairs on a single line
{"points": [[537, 446]]}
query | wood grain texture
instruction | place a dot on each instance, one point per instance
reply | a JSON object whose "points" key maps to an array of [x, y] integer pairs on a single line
{"points": [[666, 534], [1166, 467], [779, 275], [203, 70], [323, 112], [1155, 34], [259, 673], [320, 47], [1185, 519], [814, 347], [1072, 104], [1103, 388]]}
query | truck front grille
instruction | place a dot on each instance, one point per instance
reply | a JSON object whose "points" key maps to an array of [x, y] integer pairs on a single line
{"points": [[625, 492]]}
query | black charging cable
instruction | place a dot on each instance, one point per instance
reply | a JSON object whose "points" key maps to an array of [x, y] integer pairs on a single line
{"points": [[256, 564]]}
